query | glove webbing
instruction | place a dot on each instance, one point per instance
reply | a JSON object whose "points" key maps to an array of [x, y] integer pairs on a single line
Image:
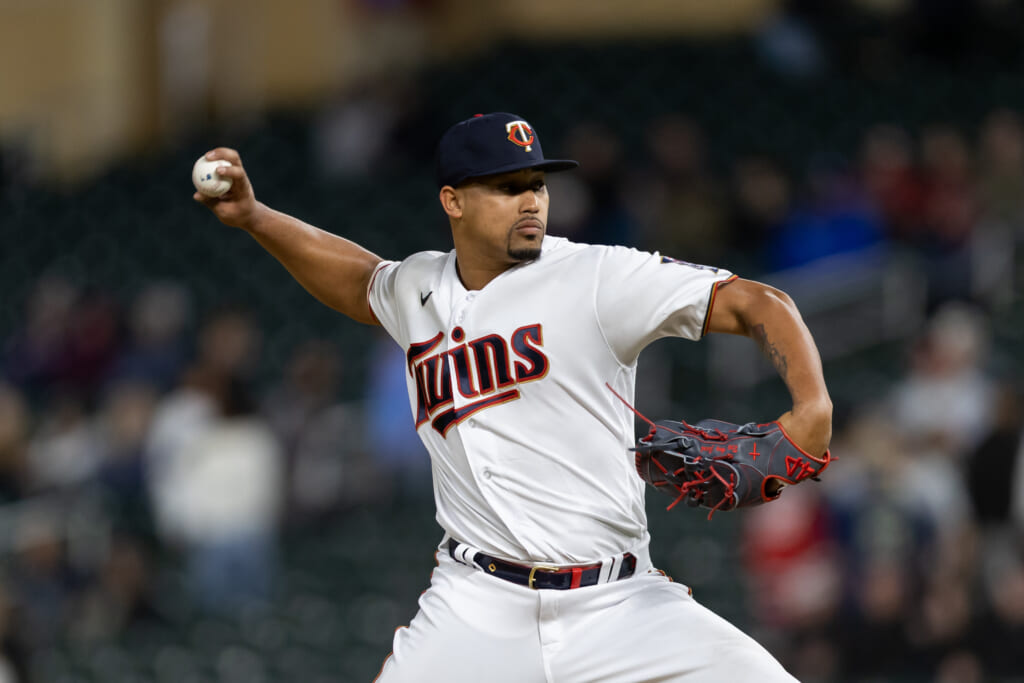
{"points": [[692, 488], [687, 487]]}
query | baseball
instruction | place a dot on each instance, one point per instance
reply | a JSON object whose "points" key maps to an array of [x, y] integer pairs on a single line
{"points": [[207, 180]]}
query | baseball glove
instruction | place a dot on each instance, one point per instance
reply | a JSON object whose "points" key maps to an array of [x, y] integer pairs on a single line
{"points": [[720, 465]]}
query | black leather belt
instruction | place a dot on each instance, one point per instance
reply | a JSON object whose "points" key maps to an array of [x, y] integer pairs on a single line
{"points": [[546, 577]]}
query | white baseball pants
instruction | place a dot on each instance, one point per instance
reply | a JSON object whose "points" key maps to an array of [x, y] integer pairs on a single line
{"points": [[473, 627]]}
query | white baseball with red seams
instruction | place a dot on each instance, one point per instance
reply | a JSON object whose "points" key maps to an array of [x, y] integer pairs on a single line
{"points": [[488, 372]]}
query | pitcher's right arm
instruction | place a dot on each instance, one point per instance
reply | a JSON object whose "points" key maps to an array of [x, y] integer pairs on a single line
{"points": [[335, 270]]}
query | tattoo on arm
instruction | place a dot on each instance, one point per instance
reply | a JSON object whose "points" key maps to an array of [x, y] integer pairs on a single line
{"points": [[777, 358]]}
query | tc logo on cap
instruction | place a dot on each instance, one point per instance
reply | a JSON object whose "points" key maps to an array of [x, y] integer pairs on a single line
{"points": [[520, 133]]}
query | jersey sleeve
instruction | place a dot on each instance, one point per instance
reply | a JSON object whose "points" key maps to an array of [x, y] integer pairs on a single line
{"points": [[643, 296], [380, 295]]}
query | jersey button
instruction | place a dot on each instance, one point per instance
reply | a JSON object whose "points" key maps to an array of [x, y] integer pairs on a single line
{"points": [[472, 422], [487, 474]]}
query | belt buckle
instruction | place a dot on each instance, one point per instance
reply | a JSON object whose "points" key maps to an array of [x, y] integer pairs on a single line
{"points": [[533, 571]]}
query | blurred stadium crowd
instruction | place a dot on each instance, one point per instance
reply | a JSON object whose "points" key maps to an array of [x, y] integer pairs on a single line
{"points": [[196, 486]]}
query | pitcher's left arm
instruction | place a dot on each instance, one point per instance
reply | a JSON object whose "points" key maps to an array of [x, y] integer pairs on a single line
{"points": [[769, 317]]}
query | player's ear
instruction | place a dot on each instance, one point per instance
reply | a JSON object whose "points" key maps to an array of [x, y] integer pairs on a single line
{"points": [[451, 202]]}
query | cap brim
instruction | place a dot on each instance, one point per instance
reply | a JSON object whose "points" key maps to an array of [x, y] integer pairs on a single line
{"points": [[547, 165]]}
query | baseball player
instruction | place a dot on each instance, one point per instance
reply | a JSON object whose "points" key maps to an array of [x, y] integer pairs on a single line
{"points": [[517, 343]]}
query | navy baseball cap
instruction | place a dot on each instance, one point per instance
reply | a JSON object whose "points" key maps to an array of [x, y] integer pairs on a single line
{"points": [[491, 143]]}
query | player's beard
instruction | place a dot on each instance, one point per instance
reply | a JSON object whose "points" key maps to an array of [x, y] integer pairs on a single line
{"points": [[524, 253], [528, 252]]}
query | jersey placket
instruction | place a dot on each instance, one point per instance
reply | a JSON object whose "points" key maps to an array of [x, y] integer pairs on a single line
{"points": [[460, 332], [458, 335]]}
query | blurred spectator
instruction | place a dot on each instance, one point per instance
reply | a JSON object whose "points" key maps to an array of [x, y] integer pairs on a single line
{"points": [[332, 469], [834, 218], [327, 468], [15, 426], [950, 206], [792, 561], [595, 193], [1001, 170], [177, 419], [156, 348], [993, 465], [36, 354], [761, 201], [120, 599], [65, 450], [945, 404], [950, 212], [789, 45], [873, 635], [225, 488], [391, 436], [940, 629], [94, 338], [122, 425], [814, 657], [892, 181], [309, 385], [942, 410], [351, 134], [229, 343], [227, 346], [408, 150], [794, 569], [680, 205], [1002, 629], [44, 584], [998, 238], [377, 126], [883, 538], [68, 341]]}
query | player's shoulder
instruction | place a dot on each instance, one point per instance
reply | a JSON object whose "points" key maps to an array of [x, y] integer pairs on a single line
{"points": [[564, 248], [557, 248], [427, 259], [625, 261], [420, 264], [421, 271]]}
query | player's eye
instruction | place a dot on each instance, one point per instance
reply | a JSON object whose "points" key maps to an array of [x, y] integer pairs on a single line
{"points": [[538, 185]]}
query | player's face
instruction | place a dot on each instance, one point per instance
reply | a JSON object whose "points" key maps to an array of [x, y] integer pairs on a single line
{"points": [[505, 216]]}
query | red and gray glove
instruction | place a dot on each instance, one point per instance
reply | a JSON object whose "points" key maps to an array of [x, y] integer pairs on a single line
{"points": [[720, 465]]}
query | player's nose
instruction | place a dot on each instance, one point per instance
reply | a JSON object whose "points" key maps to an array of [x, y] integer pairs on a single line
{"points": [[529, 202]]}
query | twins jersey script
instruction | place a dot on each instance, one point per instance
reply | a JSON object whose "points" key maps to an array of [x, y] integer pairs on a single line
{"points": [[490, 371]]}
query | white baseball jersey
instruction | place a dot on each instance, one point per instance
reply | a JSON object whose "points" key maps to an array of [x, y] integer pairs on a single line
{"points": [[509, 389]]}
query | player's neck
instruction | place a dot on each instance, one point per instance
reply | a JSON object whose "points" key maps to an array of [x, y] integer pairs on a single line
{"points": [[474, 277], [478, 262]]}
